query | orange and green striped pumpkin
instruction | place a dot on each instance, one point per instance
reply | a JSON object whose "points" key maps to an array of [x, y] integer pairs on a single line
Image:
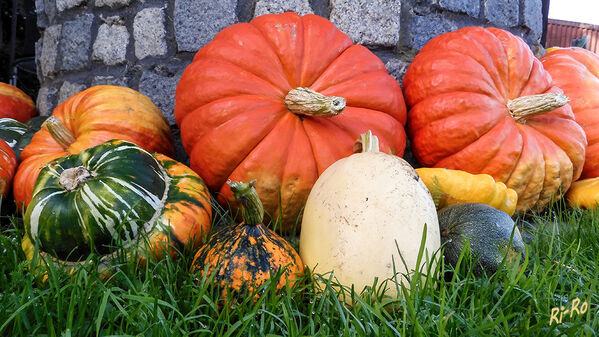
{"points": [[113, 195], [244, 257]]}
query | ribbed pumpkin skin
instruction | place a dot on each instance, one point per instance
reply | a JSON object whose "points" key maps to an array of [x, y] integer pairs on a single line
{"points": [[8, 164], [128, 188], [457, 89], [244, 257], [131, 195], [584, 193], [187, 210], [235, 125], [15, 104], [94, 116], [450, 187], [576, 71]]}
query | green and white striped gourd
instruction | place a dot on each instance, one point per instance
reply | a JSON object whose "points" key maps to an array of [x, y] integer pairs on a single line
{"points": [[111, 195], [18, 135], [11, 130]]}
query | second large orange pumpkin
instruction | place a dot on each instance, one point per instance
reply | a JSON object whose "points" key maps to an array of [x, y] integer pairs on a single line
{"points": [[474, 107], [576, 71], [245, 113], [15, 104]]}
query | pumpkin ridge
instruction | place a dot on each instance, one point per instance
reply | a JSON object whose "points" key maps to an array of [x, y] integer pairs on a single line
{"points": [[447, 113], [497, 95], [504, 41], [501, 88], [299, 131], [257, 75], [292, 72], [226, 37], [577, 163], [238, 81], [200, 111], [274, 50], [248, 149], [310, 21], [535, 182], [533, 80], [321, 87], [478, 143], [490, 124], [324, 124]]}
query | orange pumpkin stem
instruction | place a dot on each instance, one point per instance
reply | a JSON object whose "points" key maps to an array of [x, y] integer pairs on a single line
{"points": [[303, 101], [525, 107], [61, 134], [367, 142], [245, 193]]}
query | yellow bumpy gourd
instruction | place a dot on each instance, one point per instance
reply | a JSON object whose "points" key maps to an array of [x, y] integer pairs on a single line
{"points": [[456, 187]]}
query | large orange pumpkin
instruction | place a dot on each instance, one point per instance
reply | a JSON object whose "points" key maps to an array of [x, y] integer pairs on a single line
{"points": [[576, 72], [473, 107], [245, 113], [88, 118], [15, 104], [8, 164]]}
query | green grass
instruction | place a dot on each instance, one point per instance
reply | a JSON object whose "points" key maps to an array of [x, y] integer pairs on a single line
{"points": [[164, 299]]}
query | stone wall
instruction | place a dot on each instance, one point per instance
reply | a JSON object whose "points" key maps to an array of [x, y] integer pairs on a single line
{"points": [[146, 44]]}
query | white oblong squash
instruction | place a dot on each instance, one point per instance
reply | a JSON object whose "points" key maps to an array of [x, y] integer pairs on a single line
{"points": [[360, 211]]}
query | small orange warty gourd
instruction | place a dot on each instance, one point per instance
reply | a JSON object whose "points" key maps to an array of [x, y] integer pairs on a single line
{"points": [[245, 256]]}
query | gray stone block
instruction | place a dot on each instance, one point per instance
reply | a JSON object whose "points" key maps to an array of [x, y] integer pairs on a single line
{"points": [[112, 3], [112, 80], [46, 100], [397, 68], [62, 5], [49, 52], [368, 22], [533, 17], [50, 9], [111, 44], [424, 28], [40, 12], [38, 54], [149, 33], [75, 42], [301, 7], [470, 7], [68, 89], [502, 12], [197, 21], [161, 90]]}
